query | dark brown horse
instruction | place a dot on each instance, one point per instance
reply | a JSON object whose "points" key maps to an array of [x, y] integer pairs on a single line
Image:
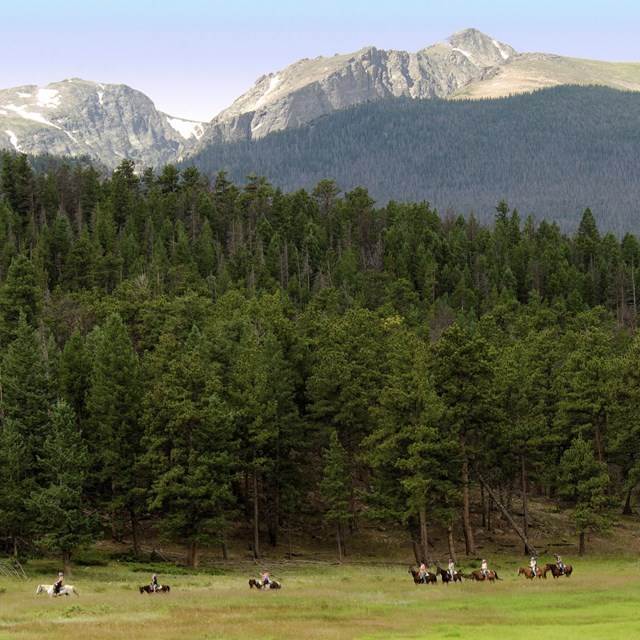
{"points": [[274, 584], [162, 588], [427, 579], [554, 569], [479, 576], [446, 576], [528, 573]]}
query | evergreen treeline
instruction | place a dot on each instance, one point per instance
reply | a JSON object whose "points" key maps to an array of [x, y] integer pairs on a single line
{"points": [[553, 152], [188, 354]]}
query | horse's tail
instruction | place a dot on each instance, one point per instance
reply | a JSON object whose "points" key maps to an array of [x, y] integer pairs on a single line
{"points": [[497, 576], [75, 591]]}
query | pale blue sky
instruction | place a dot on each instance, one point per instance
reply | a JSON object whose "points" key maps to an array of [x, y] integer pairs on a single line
{"points": [[194, 57]]}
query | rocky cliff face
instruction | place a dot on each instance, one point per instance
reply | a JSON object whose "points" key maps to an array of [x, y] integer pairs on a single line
{"points": [[311, 88], [105, 121], [469, 64]]}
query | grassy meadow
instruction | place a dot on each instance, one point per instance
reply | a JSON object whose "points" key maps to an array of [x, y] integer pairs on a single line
{"points": [[600, 601]]}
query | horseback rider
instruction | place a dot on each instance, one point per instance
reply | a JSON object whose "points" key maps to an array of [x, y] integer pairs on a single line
{"points": [[451, 568], [422, 572], [154, 583], [266, 580], [57, 585], [534, 565], [559, 563], [484, 568]]}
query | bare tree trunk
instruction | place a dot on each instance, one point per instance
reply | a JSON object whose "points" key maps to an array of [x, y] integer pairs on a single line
{"points": [[470, 545], [66, 562], [343, 539], [627, 510], [525, 522], [135, 534], [490, 514], [424, 547], [416, 548], [507, 515], [256, 514], [452, 545], [193, 554], [225, 549]]}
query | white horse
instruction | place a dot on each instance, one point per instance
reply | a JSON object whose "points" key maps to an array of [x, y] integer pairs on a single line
{"points": [[65, 590]]}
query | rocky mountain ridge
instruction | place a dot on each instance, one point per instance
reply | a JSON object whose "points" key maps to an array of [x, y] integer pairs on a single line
{"points": [[111, 122], [468, 64], [76, 117]]}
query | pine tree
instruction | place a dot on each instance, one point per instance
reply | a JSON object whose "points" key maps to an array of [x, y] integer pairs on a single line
{"points": [[336, 489], [62, 524], [582, 483], [19, 293], [113, 410], [188, 437]]}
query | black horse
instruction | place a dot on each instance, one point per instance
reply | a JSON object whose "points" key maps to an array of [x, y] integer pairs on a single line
{"points": [[427, 579], [162, 588], [273, 584], [446, 576]]}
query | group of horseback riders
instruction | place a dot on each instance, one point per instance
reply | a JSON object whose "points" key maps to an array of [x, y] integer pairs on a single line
{"points": [[422, 571], [484, 568], [534, 564]]}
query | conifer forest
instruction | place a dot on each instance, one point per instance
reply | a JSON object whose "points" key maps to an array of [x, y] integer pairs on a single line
{"points": [[186, 357]]}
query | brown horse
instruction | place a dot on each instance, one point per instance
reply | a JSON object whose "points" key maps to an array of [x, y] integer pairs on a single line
{"points": [[446, 576], [528, 573], [479, 576], [418, 579], [554, 569]]}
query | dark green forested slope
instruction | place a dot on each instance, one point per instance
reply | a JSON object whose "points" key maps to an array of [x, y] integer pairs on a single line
{"points": [[189, 356], [551, 153]]}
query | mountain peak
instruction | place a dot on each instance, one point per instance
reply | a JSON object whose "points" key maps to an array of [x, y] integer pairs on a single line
{"points": [[479, 48]]}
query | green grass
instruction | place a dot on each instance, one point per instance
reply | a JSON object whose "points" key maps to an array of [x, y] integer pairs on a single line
{"points": [[600, 601]]}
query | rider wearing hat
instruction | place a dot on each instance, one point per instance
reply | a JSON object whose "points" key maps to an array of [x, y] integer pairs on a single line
{"points": [[484, 568], [451, 568], [154, 582], [57, 585], [266, 580], [559, 563], [534, 565]]}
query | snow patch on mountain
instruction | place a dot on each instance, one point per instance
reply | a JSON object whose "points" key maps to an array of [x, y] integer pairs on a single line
{"points": [[13, 139], [466, 54], [186, 128], [49, 98], [30, 115], [505, 54], [273, 83]]}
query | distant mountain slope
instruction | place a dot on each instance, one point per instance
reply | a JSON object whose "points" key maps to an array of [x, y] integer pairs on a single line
{"points": [[105, 121], [468, 64], [551, 153]]}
